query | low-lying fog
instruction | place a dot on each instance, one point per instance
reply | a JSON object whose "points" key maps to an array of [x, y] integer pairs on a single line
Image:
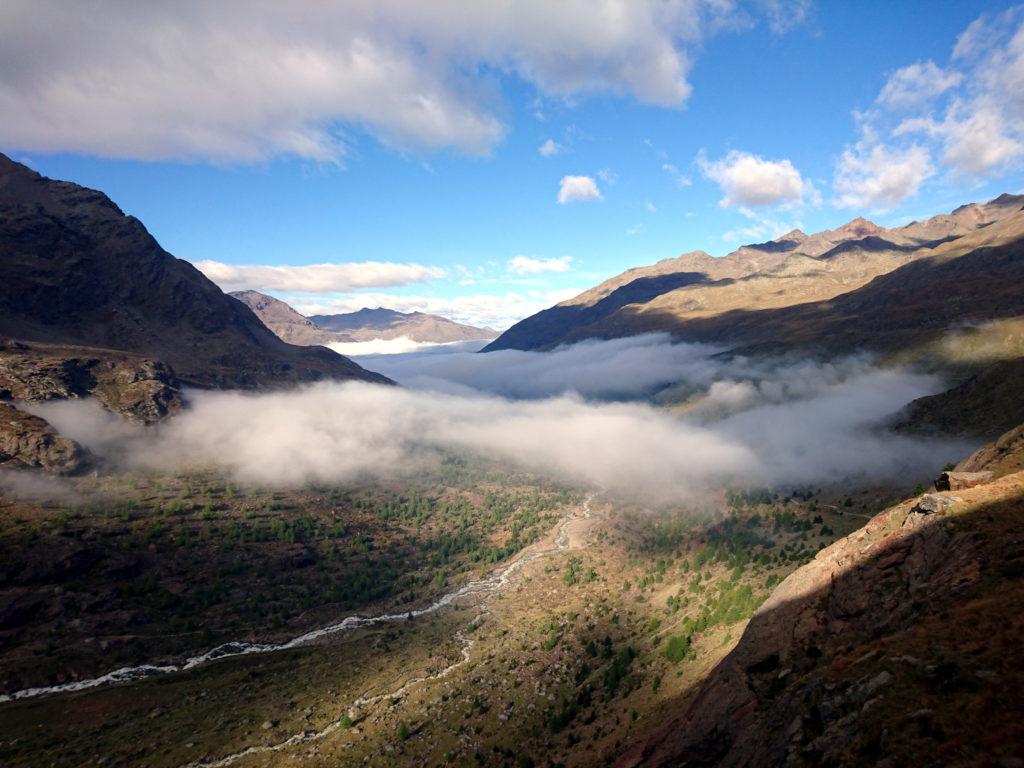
{"points": [[574, 412]]}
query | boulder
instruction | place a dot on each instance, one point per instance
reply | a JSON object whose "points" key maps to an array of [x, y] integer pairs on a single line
{"points": [[27, 441], [933, 503], [957, 481]]}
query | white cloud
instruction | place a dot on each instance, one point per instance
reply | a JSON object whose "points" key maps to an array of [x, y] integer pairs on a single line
{"points": [[983, 34], [755, 232], [786, 15], [980, 143], [527, 265], [917, 85], [650, 207], [875, 175], [549, 148], [763, 227], [246, 80], [750, 180], [484, 310], [969, 118], [316, 278], [578, 188], [679, 178]]}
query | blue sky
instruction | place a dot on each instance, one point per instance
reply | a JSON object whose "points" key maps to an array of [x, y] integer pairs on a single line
{"points": [[723, 124]]}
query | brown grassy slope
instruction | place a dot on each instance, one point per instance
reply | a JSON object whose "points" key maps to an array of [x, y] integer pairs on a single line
{"points": [[790, 270], [973, 279]]}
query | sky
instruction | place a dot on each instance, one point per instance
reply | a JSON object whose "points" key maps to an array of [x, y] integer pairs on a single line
{"points": [[485, 160]]}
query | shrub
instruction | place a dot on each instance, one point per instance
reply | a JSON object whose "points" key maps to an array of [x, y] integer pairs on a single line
{"points": [[677, 648]]}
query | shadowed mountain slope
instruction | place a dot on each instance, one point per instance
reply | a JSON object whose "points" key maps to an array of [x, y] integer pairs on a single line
{"points": [[75, 270], [897, 645]]}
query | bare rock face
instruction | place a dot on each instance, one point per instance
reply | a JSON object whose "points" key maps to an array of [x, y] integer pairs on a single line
{"points": [[140, 389], [381, 323], [29, 442]]}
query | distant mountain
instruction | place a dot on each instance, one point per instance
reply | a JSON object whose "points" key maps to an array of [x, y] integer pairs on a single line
{"points": [[75, 270], [702, 298], [364, 325], [380, 323], [285, 322]]}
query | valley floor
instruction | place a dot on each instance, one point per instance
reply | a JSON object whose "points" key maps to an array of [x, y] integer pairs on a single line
{"points": [[570, 649]]}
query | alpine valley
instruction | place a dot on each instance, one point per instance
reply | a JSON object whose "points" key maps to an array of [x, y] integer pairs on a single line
{"points": [[365, 474]]}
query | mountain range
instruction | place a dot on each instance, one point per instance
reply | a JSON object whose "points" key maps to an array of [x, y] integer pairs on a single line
{"points": [[893, 643], [757, 292], [380, 323], [364, 325], [943, 294]]}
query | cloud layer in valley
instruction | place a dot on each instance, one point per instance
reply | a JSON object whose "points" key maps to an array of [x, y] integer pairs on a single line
{"points": [[752, 423]]}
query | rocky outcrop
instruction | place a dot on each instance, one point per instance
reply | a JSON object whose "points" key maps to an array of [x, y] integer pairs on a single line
{"points": [[955, 481], [134, 387], [896, 646], [29, 442], [76, 271], [1001, 457]]}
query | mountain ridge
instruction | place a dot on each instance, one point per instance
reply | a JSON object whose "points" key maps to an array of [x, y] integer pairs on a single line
{"points": [[365, 324], [76, 270], [368, 323], [806, 268]]}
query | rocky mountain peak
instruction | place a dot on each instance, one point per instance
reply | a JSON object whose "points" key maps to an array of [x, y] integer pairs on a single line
{"points": [[794, 235], [858, 228]]}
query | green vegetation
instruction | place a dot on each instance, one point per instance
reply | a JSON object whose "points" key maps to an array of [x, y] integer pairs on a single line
{"points": [[677, 648]]}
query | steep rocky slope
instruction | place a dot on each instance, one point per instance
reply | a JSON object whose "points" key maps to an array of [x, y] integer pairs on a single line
{"points": [[29, 442], [74, 270], [135, 387], [897, 645], [786, 273], [381, 323]]}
